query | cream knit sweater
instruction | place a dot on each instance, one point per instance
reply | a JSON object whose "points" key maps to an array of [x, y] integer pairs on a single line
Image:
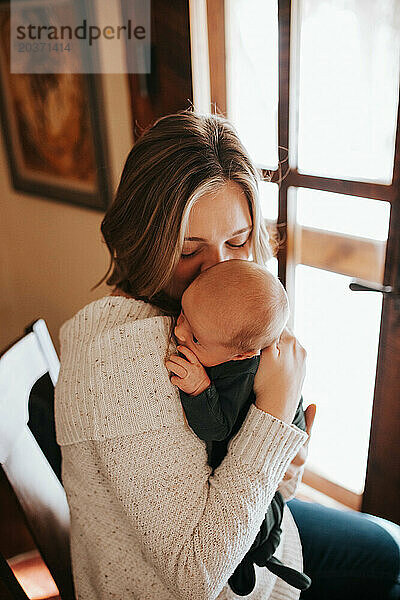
{"points": [[148, 520]]}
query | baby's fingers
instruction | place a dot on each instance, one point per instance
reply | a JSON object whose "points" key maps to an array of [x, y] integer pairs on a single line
{"points": [[192, 358], [176, 368], [179, 360], [176, 380]]}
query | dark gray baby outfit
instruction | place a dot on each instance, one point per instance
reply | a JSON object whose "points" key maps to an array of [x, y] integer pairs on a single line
{"points": [[216, 415]]}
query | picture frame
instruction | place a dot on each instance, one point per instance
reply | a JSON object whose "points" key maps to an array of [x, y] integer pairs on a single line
{"points": [[168, 87], [53, 126]]}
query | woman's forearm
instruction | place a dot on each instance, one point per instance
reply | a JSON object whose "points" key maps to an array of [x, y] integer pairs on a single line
{"points": [[195, 528]]}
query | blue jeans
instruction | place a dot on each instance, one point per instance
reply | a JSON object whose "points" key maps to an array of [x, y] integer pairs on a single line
{"points": [[348, 555]]}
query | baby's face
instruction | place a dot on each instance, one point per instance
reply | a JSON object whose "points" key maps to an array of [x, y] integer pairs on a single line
{"points": [[194, 330]]}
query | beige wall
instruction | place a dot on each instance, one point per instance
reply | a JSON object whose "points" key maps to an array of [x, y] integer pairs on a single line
{"points": [[51, 253]]}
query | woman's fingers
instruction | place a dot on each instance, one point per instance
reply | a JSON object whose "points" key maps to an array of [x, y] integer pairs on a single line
{"points": [[291, 472], [301, 457], [279, 378], [287, 336], [309, 414]]}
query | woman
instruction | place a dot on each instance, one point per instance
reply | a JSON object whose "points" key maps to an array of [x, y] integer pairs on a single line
{"points": [[148, 520]]}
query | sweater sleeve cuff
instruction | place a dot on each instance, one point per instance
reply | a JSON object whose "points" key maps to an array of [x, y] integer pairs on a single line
{"points": [[264, 442]]}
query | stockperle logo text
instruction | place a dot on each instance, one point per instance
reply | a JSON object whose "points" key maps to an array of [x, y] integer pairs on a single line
{"points": [[80, 32]]}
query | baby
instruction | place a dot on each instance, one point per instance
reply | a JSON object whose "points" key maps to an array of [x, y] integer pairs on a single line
{"points": [[229, 313]]}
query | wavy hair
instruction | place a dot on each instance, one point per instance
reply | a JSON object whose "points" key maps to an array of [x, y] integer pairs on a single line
{"points": [[175, 162]]}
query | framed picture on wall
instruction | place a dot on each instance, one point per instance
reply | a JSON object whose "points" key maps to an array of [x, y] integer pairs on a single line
{"points": [[53, 127], [168, 87]]}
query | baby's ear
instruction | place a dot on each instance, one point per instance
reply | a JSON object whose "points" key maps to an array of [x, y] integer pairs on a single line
{"points": [[245, 355]]}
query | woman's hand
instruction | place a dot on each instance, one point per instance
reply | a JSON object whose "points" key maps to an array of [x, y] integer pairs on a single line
{"points": [[280, 376], [297, 464]]}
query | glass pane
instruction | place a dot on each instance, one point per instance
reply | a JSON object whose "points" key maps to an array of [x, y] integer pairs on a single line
{"points": [[340, 331], [252, 76], [361, 217], [269, 196], [348, 88]]}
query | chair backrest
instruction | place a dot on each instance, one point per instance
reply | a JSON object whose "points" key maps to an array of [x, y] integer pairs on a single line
{"points": [[36, 486]]}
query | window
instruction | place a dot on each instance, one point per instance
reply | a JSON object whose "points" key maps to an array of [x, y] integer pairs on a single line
{"points": [[334, 67]]}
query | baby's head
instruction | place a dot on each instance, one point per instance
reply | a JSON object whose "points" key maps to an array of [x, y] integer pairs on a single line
{"points": [[231, 311]]}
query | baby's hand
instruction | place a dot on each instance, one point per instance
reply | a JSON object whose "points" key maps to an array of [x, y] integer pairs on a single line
{"points": [[189, 375]]}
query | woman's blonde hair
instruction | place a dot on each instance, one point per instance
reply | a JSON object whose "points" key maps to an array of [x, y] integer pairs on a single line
{"points": [[175, 162]]}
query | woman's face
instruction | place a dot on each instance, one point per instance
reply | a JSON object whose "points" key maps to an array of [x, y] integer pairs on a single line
{"points": [[219, 229]]}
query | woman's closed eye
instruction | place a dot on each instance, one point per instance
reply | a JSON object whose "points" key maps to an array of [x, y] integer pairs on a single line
{"points": [[195, 340], [189, 254], [238, 245]]}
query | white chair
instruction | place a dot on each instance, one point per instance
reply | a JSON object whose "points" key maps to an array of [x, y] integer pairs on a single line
{"points": [[36, 486]]}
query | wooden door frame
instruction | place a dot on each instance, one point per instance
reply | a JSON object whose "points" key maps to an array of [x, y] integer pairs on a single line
{"points": [[382, 482]]}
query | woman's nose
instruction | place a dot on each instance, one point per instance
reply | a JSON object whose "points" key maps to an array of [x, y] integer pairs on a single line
{"points": [[213, 257]]}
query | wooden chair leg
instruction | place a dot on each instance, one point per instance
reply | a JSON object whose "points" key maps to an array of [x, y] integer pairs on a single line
{"points": [[33, 575], [10, 589]]}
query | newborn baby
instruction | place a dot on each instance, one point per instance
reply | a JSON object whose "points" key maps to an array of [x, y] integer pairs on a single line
{"points": [[229, 313]]}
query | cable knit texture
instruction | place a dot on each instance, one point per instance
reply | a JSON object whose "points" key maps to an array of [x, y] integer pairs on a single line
{"points": [[148, 520]]}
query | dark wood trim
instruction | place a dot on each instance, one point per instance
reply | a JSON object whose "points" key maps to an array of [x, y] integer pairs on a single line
{"points": [[382, 483], [376, 191], [284, 12], [217, 55]]}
